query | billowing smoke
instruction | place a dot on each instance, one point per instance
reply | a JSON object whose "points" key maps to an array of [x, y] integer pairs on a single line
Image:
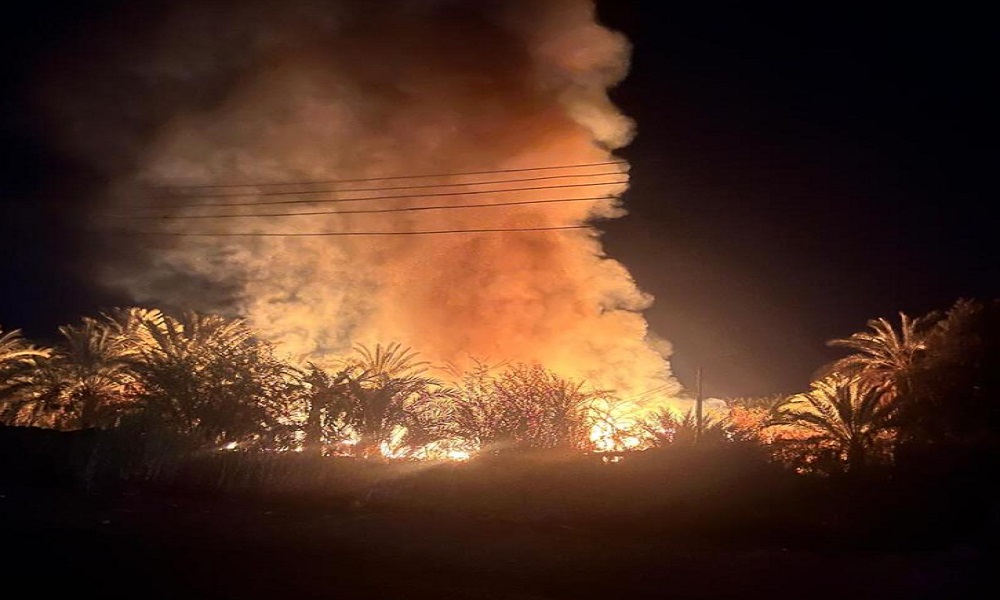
{"points": [[321, 94]]}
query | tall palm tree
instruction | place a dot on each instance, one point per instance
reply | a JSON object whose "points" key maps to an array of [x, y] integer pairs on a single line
{"points": [[884, 357], [18, 361], [847, 413]]}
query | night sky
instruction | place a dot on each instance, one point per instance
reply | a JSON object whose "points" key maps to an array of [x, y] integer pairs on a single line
{"points": [[795, 173]]}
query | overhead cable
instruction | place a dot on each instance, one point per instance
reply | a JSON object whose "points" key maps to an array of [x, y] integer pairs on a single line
{"points": [[372, 198], [385, 178], [356, 233], [184, 196], [362, 211]]}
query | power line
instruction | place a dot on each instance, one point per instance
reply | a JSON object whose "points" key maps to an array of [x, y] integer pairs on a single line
{"points": [[380, 189], [363, 233], [389, 178], [649, 392], [390, 197], [361, 211]]}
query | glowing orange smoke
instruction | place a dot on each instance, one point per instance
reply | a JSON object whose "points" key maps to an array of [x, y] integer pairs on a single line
{"points": [[327, 91]]}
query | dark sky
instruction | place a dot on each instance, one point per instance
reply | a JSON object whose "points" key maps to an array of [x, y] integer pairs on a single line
{"points": [[796, 172]]}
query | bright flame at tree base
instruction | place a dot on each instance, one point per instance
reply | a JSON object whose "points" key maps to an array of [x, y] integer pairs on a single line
{"points": [[611, 430]]}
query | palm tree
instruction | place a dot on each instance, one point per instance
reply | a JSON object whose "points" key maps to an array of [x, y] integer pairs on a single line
{"points": [[884, 357], [391, 403], [18, 360], [670, 427], [191, 332], [208, 378], [845, 413], [89, 378], [327, 403], [135, 324]]}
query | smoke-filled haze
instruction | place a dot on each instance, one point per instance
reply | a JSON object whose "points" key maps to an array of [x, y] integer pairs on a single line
{"points": [[322, 92]]}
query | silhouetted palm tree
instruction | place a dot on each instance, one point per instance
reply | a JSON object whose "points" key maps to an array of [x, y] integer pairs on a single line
{"points": [[669, 427], [847, 413], [88, 381], [18, 361], [327, 398], [208, 378], [391, 403], [135, 324], [883, 357]]}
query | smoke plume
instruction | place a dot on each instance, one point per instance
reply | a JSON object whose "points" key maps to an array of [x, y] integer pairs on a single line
{"points": [[313, 94]]}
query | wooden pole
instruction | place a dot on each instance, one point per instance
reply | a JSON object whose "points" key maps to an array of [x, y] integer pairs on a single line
{"points": [[699, 401]]}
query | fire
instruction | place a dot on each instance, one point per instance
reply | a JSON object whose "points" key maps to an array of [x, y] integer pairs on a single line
{"points": [[616, 436], [444, 450], [393, 447], [448, 450], [617, 426], [459, 455]]}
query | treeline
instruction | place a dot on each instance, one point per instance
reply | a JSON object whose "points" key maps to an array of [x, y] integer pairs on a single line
{"points": [[925, 389], [207, 382]]}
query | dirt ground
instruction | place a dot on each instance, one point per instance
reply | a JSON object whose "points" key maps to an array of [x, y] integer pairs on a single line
{"points": [[151, 547]]}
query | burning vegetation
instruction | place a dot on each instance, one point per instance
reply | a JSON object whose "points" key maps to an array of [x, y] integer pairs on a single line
{"points": [[197, 383], [189, 427], [211, 381]]}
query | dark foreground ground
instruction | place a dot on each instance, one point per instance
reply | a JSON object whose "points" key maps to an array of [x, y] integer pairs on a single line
{"points": [[150, 545]]}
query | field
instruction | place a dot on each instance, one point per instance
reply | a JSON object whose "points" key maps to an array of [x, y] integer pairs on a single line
{"points": [[649, 527]]}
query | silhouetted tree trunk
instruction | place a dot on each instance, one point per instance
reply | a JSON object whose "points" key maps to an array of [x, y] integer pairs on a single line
{"points": [[314, 427], [857, 456]]}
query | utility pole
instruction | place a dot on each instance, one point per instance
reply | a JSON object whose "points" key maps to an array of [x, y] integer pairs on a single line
{"points": [[699, 401]]}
